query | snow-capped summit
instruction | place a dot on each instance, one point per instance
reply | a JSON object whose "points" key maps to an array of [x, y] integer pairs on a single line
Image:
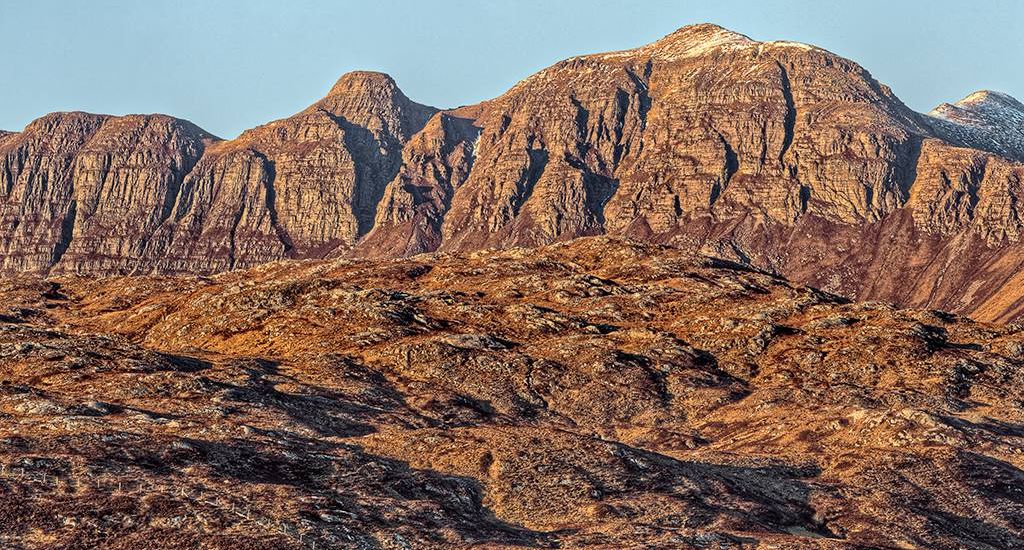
{"points": [[985, 119]]}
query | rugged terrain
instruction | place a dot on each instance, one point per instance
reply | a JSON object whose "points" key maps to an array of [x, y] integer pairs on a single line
{"points": [[778, 155], [598, 393]]}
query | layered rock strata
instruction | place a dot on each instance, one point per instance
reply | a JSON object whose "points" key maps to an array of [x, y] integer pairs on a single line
{"points": [[778, 154]]}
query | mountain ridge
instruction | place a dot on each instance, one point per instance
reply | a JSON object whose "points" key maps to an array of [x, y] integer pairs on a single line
{"points": [[987, 119], [764, 152]]}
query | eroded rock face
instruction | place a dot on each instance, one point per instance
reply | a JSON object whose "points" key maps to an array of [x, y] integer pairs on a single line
{"points": [[703, 122], [94, 194], [435, 163], [125, 182], [596, 393], [778, 154], [300, 187], [37, 192]]}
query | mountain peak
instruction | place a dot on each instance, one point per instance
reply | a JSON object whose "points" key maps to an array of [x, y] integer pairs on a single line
{"points": [[987, 106], [990, 98], [988, 120], [373, 100], [703, 32], [363, 82], [58, 117], [48, 122], [697, 39], [694, 40]]}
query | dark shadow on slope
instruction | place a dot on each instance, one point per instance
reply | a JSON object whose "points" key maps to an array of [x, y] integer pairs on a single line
{"points": [[67, 227], [182, 363], [997, 485], [342, 494], [990, 426], [327, 412], [377, 162], [537, 161], [424, 500]]}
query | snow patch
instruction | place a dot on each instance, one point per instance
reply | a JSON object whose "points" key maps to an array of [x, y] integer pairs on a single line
{"points": [[797, 45], [475, 148], [688, 42], [987, 120]]}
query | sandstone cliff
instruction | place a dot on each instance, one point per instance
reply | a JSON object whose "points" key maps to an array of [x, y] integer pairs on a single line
{"points": [[95, 194], [778, 154], [299, 187], [88, 191]]}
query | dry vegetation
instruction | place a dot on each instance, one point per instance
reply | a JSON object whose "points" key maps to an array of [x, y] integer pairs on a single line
{"points": [[598, 393]]}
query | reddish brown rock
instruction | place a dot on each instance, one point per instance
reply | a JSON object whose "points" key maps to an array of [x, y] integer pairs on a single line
{"points": [[778, 154], [435, 163], [126, 180], [300, 187], [95, 194], [85, 192]]}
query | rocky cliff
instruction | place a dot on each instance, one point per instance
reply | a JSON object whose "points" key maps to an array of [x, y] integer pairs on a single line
{"points": [[777, 154], [88, 192], [95, 194], [983, 120]]}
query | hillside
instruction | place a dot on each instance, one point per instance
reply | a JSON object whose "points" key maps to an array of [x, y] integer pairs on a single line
{"points": [[600, 393]]}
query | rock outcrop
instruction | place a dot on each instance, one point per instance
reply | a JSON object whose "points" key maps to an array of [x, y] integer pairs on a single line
{"points": [[704, 121], [300, 187], [435, 163], [87, 192], [777, 154]]}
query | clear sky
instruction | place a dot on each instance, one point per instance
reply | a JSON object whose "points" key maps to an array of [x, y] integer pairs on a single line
{"points": [[230, 65]]}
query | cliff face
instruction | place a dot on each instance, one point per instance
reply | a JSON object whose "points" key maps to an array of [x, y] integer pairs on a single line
{"points": [[778, 154], [435, 163], [96, 194], [87, 192], [704, 121], [299, 187]]}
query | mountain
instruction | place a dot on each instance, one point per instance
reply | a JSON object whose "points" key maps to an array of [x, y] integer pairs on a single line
{"points": [[779, 155], [85, 193], [599, 393], [984, 120], [90, 189]]}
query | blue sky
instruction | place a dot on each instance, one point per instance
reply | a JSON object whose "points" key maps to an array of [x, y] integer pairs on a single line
{"points": [[228, 65]]}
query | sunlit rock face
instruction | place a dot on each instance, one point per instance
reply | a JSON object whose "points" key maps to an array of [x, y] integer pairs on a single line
{"points": [[777, 154]]}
